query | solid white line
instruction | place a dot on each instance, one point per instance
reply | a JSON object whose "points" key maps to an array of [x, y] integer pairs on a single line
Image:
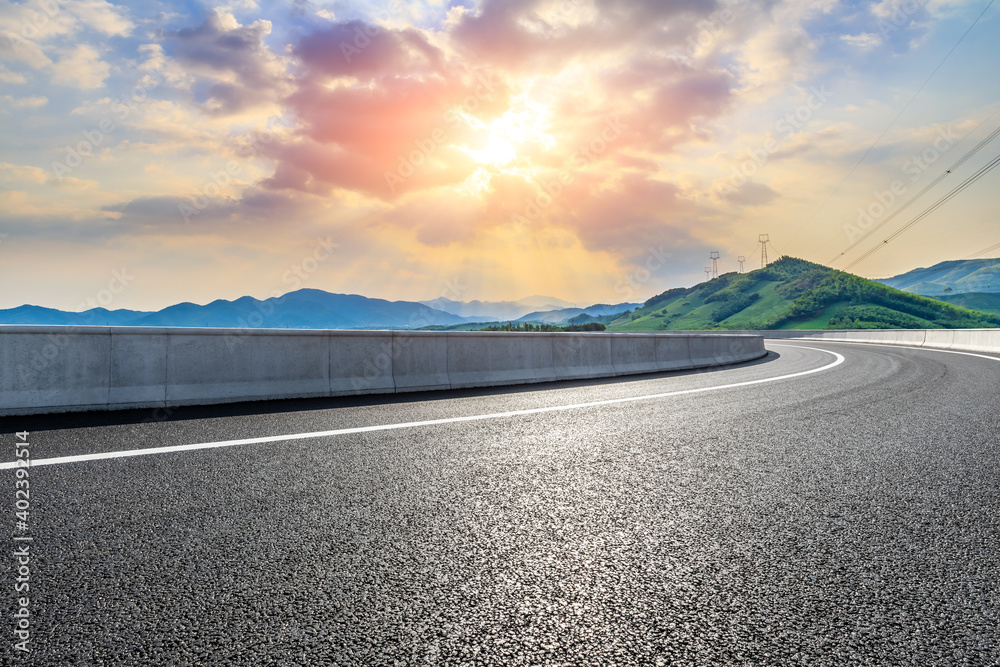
{"points": [[909, 347], [431, 422]]}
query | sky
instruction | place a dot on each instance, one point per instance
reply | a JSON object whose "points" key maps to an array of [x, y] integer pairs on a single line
{"points": [[592, 150]]}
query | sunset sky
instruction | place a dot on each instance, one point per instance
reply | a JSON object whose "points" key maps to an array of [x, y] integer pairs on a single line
{"points": [[592, 150]]}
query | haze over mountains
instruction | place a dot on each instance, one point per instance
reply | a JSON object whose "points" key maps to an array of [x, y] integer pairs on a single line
{"points": [[492, 311], [562, 315]]}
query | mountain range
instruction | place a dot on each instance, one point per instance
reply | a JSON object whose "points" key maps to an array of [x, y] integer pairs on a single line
{"points": [[788, 293], [313, 309], [961, 276], [302, 309]]}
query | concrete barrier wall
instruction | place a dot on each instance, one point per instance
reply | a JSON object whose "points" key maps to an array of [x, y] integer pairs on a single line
{"points": [[968, 340], [61, 369]]}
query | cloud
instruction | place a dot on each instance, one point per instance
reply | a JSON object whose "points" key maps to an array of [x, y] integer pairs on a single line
{"points": [[234, 68], [33, 102], [102, 16], [13, 173], [33, 32], [752, 194], [6, 76], [16, 48], [81, 67], [29, 175], [371, 97], [865, 40], [522, 35], [256, 208], [365, 51], [637, 212], [380, 113]]}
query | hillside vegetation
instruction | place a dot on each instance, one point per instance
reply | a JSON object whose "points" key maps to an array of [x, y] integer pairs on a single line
{"points": [[795, 294]]}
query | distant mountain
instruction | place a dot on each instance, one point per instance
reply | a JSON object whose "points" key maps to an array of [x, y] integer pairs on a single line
{"points": [[95, 316], [795, 294], [489, 311], [954, 277], [566, 314], [303, 309]]}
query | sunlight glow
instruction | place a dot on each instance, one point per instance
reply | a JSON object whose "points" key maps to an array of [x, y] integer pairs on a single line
{"points": [[526, 122]]}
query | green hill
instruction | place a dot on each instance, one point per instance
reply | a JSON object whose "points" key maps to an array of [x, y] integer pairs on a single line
{"points": [[795, 294]]}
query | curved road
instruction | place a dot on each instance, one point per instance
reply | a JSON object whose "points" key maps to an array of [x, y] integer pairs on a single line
{"points": [[846, 514]]}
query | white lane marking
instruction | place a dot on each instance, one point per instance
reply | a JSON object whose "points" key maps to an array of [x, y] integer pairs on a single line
{"points": [[431, 422], [908, 347]]}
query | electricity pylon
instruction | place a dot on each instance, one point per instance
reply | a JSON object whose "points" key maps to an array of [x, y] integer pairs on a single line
{"points": [[763, 240]]}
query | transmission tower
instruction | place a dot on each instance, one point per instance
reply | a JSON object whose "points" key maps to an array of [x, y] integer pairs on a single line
{"points": [[708, 273], [763, 240], [741, 259], [714, 256]]}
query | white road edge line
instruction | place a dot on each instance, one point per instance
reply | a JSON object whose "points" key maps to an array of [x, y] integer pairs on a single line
{"points": [[908, 347], [78, 458]]}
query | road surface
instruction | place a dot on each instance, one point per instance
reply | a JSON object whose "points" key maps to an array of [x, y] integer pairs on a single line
{"points": [[831, 504]]}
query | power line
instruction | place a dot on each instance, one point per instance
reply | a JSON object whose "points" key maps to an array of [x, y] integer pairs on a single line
{"points": [[972, 151], [993, 247], [949, 265], [780, 255], [889, 126], [930, 209]]}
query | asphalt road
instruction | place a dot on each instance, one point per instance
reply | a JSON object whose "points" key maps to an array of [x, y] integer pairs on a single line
{"points": [[847, 517]]}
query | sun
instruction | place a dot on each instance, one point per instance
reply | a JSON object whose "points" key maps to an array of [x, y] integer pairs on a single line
{"points": [[526, 122], [497, 152]]}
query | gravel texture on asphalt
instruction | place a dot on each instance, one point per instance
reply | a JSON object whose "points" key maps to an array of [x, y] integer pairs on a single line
{"points": [[848, 517]]}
